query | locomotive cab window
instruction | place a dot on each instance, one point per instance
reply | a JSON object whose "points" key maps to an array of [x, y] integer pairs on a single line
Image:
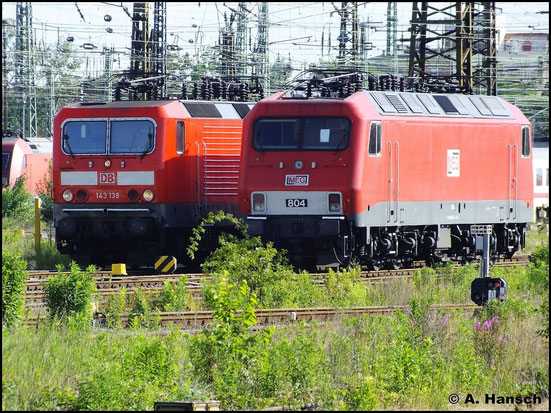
{"points": [[132, 137], [5, 160], [180, 137], [84, 137], [306, 134], [326, 133], [525, 141], [276, 134], [375, 139]]}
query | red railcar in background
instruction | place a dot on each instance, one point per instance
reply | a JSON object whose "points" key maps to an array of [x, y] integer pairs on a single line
{"points": [[26, 157], [132, 178], [386, 177]]}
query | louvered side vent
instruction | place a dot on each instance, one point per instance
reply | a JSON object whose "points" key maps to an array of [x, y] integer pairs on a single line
{"points": [[397, 103]]}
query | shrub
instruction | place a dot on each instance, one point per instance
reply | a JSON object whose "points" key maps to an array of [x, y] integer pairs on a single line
{"points": [[228, 355], [141, 314], [70, 295], [14, 275], [48, 257], [115, 307], [262, 267], [173, 296], [17, 202]]}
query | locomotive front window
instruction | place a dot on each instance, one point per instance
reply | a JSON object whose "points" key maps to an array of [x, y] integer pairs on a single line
{"points": [[132, 136], [84, 137], [5, 160], [308, 134], [276, 134], [329, 134]]}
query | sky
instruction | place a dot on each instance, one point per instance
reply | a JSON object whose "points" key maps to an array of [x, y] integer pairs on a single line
{"points": [[295, 29]]}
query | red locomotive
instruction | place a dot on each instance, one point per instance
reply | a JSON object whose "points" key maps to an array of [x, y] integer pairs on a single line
{"points": [[386, 177], [132, 178], [25, 157]]}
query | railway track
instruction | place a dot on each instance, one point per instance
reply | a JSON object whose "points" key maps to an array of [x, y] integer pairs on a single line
{"points": [[107, 284], [265, 317], [106, 274]]}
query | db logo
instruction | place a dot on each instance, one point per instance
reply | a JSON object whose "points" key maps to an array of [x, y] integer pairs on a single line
{"points": [[106, 177]]}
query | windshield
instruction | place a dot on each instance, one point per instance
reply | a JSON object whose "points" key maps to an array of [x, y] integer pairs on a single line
{"points": [[108, 136], [84, 137], [307, 134], [132, 136], [5, 160]]}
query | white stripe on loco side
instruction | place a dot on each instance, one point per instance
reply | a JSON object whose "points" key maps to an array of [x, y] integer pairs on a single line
{"points": [[136, 178], [79, 178]]}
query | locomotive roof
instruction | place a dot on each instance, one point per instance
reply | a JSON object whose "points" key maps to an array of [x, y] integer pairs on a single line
{"points": [[432, 104], [195, 108], [408, 103]]}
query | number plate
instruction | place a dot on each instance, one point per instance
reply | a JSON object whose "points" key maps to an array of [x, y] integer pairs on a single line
{"points": [[107, 195], [296, 203]]}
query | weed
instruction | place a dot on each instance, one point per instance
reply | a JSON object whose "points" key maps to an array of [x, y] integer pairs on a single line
{"points": [[14, 275]]}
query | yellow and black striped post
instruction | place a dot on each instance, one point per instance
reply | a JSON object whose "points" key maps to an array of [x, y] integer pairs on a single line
{"points": [[165, 264]]}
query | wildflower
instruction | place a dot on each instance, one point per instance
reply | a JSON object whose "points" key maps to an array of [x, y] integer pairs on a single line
{"points": [[486, 325], [477, 325], [445, 320], [501, 339], [412, 322]]}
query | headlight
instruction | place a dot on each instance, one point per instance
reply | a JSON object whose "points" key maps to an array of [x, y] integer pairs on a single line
{"points": [[259, 203], [334, 203], [148, 195], [67, 195]]}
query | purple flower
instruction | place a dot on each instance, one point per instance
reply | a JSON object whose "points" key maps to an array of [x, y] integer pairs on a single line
{"points": [[477, 325], [486, 325], [445, 320], [412, 322], [501, 339]]}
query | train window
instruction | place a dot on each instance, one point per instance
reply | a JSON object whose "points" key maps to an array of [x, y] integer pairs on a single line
{"points": [[180, 137], [539, 177], [84, 137], [5, 160], [375, 138], [412, 103], [276, 134], [525, 141], [24, 165], [325, 133], [132, 136]]}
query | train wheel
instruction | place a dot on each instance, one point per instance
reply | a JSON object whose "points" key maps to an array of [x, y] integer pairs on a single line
{"points": [[375, 265], [393, 264]]}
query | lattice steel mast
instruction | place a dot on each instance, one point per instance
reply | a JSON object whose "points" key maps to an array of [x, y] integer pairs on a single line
{"points": [[25, 90]]}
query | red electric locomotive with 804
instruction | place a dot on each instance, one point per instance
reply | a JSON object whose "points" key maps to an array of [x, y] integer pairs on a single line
{"points": [[386, 177], [132, 178]]}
